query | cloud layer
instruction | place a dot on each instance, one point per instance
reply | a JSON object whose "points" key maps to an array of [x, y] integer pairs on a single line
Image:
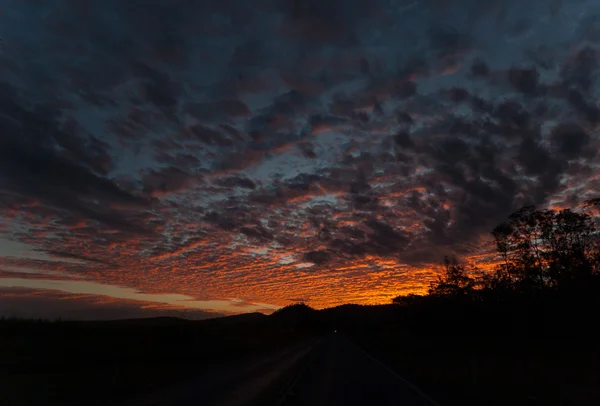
{"points": [[274, 150]]}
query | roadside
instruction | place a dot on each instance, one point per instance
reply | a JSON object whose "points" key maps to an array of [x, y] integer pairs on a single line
{"points": [[339, 373], [475, 370], [236, 383]]}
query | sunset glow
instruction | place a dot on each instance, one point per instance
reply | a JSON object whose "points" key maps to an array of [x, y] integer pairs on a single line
{"points": [[226, 158]]}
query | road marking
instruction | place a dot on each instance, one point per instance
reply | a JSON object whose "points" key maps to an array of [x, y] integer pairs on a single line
{"points": [[381, 364]]}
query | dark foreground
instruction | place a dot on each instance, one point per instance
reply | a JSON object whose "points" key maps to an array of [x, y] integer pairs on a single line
{"points": [[328, 371], [113, 363], [337, 372], [293, 357]]}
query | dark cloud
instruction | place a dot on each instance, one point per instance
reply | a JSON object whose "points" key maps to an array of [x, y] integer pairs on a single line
{"points": [[479, 68], [580, 69], [404, 89], [384, 239], [236, 181], [447, 40], [157, 88], [570, 140], [135, 124], [307, 149], [589, 27], [44, 163], [404, 119], [84, 147], [403, 140], [39, 174], [513, 114], [258, 232], [317, 257], [162, 182], [218, 110], [587, 109], [210, 136], [314, 21], [458, 94], [252, 53], [222, 221], [214, 149], [525, 80]]}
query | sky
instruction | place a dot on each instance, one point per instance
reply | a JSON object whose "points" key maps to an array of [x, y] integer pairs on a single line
{"points": [[203, 158]]}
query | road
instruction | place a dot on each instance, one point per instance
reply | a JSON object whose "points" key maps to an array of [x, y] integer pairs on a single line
{"points": [[230, 384], [332, 371], [337, 372]]}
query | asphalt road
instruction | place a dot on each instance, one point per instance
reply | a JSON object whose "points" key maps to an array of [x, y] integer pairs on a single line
{"points": [[332, 371], [337, 372], [231, 384]]}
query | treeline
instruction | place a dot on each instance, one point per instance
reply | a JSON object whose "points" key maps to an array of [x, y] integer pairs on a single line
{"points": [[548, 277]]}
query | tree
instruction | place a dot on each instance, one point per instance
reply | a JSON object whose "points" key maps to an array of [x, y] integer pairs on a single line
{"points": [[547, 248], [454, 282], [519, 242], [407, 300], [569, 241], [593, 209]]}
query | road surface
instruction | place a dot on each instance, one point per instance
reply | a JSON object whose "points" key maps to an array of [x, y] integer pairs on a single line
{"points": [[337, 372], [332, 371], [231, 384]]}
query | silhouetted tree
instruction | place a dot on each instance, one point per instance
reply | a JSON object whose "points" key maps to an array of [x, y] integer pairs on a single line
{"points": [[408, 300], [569, 240], [520, 244], [454, 282], [592, 208], [547, 248], [546, 283]]}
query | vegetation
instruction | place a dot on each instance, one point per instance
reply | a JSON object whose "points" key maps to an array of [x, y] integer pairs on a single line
{"points": [[524, 332], [540, 251]]}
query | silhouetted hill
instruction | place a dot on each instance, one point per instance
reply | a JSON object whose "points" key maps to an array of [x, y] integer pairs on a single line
{"points": [[294, 310], [150, 321], [350, 314], [238, 319], [65, 361], [297, 317]]}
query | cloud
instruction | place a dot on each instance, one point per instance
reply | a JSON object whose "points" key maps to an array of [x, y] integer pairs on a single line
{"points": [[570, 140], [276, 149], [580, 69], [39, 174], [70, 255], [317, 257], [51, 305], [218, 110], [524, 80], [167, 181]]}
